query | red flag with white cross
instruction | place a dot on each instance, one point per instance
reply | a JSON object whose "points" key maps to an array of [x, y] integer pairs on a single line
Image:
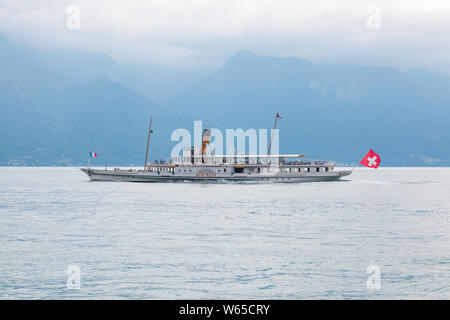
{"points": [[371, 160]]}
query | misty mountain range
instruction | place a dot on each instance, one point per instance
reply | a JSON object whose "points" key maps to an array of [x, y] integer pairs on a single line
{"points": [[56, 107]]}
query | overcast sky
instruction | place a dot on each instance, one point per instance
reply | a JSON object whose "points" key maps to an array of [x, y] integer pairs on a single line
{"points": [[403, 33]]}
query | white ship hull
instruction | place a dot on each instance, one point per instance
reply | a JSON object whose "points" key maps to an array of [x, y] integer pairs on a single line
{"points": [[207, 177]]}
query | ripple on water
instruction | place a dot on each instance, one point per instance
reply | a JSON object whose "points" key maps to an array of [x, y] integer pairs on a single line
{"points": [[235, 241]]}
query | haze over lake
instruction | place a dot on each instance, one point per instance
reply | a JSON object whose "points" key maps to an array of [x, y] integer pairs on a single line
{"points": [[231, 241]]}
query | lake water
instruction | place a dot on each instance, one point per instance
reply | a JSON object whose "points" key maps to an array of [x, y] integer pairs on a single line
{"points": [[225, 241]]}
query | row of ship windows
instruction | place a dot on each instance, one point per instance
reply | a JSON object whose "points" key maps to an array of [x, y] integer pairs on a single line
{"points": [[254, 170], [290, 170]]}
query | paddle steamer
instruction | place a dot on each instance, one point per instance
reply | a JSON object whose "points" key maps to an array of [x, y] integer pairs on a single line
{"points": [[195, 165]]}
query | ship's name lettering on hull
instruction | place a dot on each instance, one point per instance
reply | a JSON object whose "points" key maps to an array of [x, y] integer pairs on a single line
{"points": [[205, 174]]}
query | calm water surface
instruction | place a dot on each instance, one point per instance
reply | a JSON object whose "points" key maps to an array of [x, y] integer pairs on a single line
{"points": [[230, 241]]}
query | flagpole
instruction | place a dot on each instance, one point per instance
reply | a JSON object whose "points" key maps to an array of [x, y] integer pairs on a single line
{"points": [[148, 142], [274, 126]]}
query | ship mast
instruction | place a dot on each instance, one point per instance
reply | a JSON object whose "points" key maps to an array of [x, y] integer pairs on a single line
{"points": [[271, 137], [148, 142]]}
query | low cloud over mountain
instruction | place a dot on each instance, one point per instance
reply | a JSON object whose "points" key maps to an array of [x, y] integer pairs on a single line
{"points": [[50, 115]]}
